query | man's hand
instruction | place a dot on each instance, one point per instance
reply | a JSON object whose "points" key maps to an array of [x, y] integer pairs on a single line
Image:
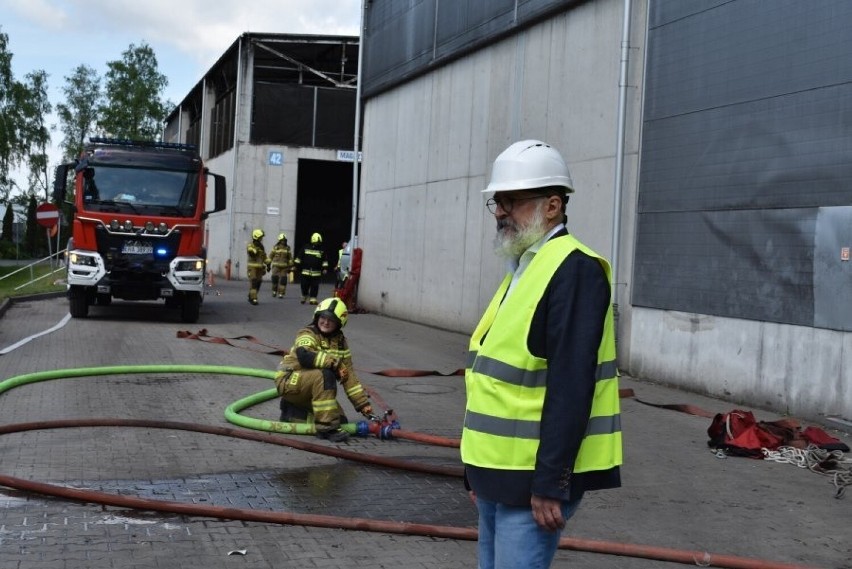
{"points": [[472, 495], [547, 513], [367, 410]]}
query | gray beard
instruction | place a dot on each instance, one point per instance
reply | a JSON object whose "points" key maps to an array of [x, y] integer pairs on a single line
{"points": [[512, 245]]}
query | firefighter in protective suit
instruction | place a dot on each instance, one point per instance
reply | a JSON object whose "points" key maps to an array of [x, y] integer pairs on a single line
{"points": [[313, 265], [258, 264], [308, 375], [282, 263]]}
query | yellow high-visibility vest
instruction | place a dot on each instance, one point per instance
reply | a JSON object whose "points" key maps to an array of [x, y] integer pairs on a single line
{"points": [[506, 383]]}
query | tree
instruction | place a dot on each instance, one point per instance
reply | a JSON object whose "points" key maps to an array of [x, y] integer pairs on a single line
{"points": [[23, 134], [34, 106], [31, 234], [8, 221], [9, 145], [133, 107], [79, 114]]}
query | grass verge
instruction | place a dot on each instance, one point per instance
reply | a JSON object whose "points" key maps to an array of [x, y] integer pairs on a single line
{"points": [[46, 284]]}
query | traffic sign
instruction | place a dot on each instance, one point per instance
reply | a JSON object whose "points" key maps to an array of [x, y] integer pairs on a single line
{"points": [[47, 215]]}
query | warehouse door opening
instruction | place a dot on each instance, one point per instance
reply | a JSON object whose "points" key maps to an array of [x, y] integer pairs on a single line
{"points": [[324, 206]]}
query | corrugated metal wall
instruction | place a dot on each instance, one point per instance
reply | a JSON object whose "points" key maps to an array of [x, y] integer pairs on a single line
{"points": [[406, 38], [746, 142]]}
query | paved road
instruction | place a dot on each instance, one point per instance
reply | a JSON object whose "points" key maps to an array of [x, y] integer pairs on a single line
{"points": [[677, 494]]}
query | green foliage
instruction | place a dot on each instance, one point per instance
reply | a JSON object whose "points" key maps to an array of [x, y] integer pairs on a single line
{"points": [[79, 114], [51, 283], [9, 146], [35, 107], [133, 107], [8, 221], [8, 249], [31, 235], [24, 138]]}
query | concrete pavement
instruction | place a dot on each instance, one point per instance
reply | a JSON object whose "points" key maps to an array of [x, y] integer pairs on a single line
{"points": [[676, 493]]}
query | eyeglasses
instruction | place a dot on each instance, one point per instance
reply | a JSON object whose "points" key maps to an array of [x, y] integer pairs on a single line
{"points": [[506, 203]]}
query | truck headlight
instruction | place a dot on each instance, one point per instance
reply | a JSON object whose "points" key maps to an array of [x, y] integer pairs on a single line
{"points": [[196, 265], [87, 260]]}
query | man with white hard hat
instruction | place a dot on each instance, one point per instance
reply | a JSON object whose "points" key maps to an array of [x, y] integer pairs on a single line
{"points": [[542, 422]]}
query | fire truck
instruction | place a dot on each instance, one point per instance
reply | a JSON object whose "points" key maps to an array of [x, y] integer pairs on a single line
{"points": [[139, 211]]}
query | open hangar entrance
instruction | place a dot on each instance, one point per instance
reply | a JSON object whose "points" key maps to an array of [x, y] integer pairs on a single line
{"points": [[324, 206]]}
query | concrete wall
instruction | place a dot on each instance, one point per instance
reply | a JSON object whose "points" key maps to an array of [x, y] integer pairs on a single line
{"points": [[788, 369], [429, 145]]}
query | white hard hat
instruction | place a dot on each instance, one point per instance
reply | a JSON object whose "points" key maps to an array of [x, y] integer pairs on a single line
{"points": [[528, 165]]}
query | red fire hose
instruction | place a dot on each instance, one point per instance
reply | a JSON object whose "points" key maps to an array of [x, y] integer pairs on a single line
{"points": [[360, 524]]}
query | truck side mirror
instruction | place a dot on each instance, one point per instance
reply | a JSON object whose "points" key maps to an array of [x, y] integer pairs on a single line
{"points": [[220, 194], [60, 183]]}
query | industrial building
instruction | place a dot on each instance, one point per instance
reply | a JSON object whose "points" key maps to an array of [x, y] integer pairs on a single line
{"points": [[709, 143], [275, 115]]}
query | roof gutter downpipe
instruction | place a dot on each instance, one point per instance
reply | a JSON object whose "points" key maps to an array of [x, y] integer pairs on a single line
{"points": [[619, 155], [237, 106], [355, 145]]}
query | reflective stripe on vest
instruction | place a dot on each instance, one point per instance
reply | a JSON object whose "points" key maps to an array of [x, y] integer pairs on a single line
{"points": [[506, 384]]}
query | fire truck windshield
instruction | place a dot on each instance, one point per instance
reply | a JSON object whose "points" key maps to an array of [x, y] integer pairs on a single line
{"points": [[140, 190]]}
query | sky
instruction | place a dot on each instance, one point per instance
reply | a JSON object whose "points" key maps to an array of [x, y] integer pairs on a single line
{"points": [[187, 36]]}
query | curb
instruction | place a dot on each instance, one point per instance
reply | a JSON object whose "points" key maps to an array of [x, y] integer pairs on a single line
{"points": [[6, 303]]}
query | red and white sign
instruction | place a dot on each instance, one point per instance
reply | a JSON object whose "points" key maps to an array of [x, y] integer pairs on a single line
{"points": [[47, 215]]}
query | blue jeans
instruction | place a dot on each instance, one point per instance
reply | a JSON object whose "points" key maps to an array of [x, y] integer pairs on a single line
{"points": [[509, 538]]}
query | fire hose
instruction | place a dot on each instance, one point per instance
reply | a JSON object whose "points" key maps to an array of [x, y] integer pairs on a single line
{"points": [[450, 532]]}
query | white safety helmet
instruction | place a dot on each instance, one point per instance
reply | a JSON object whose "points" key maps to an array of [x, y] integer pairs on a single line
{"points": [[529, 165]]}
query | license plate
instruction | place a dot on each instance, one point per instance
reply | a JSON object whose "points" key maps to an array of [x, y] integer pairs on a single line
{"points": [[137, 248]]}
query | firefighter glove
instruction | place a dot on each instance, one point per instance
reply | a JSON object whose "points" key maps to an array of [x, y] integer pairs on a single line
{"points": [[367, 410], [342, 372]]}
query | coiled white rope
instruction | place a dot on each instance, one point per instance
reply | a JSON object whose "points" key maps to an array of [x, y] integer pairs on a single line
{"points": [[825, 462]]}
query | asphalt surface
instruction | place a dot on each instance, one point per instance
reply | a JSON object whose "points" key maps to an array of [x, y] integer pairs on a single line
{"points": [[676, 494]]}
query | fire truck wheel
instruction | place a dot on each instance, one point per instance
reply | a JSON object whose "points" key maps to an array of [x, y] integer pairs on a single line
{"points": [[190, 307], [77, 302]]}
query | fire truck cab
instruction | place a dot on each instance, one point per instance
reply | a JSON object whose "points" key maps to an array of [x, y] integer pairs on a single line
{"points": [[138, 231]]}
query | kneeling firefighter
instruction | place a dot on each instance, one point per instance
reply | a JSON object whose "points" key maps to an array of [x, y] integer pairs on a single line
{"points": [[308, 375]]}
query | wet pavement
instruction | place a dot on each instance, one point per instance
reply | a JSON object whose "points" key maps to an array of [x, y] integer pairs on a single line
{"points": [[677, 494]]}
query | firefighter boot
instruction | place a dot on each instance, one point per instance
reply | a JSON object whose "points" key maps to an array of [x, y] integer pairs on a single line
{"points": [[282, 290], [252, 298], [335, 436], [304, 299], [312, 301]]}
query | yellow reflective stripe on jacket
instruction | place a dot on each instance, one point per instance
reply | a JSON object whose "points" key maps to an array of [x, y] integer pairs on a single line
{"points": [[323, 405], [526, 378], [340, 354], [355, 391], [506, 383]]}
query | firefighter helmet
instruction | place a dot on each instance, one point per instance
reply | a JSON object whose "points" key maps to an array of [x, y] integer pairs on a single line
{"points": [[282, 237], [529, 165], [257, 234], [316, 238], [333, 308]]}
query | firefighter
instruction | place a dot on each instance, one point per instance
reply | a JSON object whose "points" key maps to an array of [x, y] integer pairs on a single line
{"points": [[258, 264], [282, 263], [308, 375], [313, 265]]}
